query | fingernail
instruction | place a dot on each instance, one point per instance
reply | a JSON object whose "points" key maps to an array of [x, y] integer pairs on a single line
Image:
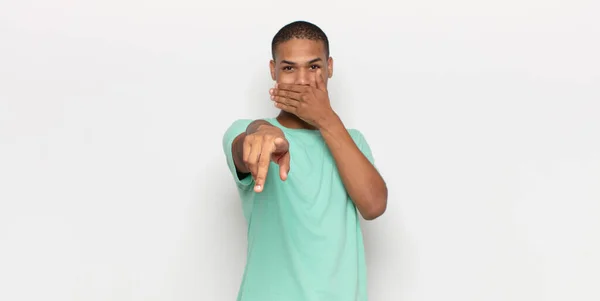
{"points": [[271, 91], [257, 187], [276, 85]]}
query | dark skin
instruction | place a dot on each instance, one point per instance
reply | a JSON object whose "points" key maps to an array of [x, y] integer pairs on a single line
{"points": [[301, 70]]}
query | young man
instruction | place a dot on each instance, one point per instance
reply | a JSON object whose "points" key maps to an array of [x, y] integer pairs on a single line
{"points": [[303, 178]]}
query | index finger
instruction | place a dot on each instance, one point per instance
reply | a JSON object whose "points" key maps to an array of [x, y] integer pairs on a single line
{"points": [[291, 87], [263, 167]]}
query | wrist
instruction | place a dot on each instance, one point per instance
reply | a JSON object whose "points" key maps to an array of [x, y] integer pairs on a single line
{"points": [[329, 121]]}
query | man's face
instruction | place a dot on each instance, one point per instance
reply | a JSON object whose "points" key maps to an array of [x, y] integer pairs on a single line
{"points": [[297, 60]]}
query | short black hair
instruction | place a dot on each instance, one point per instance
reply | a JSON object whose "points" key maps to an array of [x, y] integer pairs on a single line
{"points": [[300, 30]]}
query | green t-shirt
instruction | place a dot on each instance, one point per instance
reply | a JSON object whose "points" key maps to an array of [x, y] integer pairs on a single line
{"points": [[304, 237]]}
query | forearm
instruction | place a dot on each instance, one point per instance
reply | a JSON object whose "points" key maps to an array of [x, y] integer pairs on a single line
{"points": [[237, 147], [364, 184]]}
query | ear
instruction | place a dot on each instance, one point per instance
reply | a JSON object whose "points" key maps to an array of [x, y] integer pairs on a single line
{"points": [[330, 66], [272, 68]]}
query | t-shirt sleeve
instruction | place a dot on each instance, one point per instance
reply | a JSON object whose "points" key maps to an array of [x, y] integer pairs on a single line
{"points": [[234, 130], [362, 144]]}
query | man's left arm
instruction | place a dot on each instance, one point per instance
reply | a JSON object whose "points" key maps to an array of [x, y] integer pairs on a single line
{"points": [[311, 103], [364, 184]]}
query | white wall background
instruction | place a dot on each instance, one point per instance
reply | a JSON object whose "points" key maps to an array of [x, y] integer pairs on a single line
{"points": [[484, 118]]}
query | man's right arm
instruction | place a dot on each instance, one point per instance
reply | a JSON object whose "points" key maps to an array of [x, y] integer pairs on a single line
{"points": [[251, 151]]}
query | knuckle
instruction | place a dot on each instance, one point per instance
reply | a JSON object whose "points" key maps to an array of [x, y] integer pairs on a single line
{"points": [[257, 139], [249, 139]]}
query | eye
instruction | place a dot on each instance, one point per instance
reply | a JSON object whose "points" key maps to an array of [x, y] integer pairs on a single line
{"points": [[287, 68], [315, 67]]}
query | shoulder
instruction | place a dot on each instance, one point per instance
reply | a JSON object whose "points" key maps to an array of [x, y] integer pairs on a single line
{"points": [[234, 129], [238, 126], [359, 139], [361, 143], [244, 122], [356, 135]]}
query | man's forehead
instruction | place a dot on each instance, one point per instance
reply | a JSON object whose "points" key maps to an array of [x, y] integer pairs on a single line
{"points": [[299, 60], [301, 50]]}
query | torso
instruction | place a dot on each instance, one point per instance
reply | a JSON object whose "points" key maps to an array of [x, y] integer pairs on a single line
{"points": [[304, 236]]}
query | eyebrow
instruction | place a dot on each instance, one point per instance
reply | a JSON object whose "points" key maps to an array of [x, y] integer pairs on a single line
{"points": [[293, 63]]}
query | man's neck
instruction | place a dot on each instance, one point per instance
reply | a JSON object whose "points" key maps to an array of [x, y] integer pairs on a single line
{"points": [[292, 121]]}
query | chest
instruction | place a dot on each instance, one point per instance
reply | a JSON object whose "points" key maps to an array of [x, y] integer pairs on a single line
{"points": [[313, 171]]}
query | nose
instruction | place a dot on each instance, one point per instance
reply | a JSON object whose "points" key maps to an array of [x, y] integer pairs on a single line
{"points": [[302, 77]]}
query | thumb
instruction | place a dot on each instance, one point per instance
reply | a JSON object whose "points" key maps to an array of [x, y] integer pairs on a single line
{"points": [[281, 145], [284, 166]]}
